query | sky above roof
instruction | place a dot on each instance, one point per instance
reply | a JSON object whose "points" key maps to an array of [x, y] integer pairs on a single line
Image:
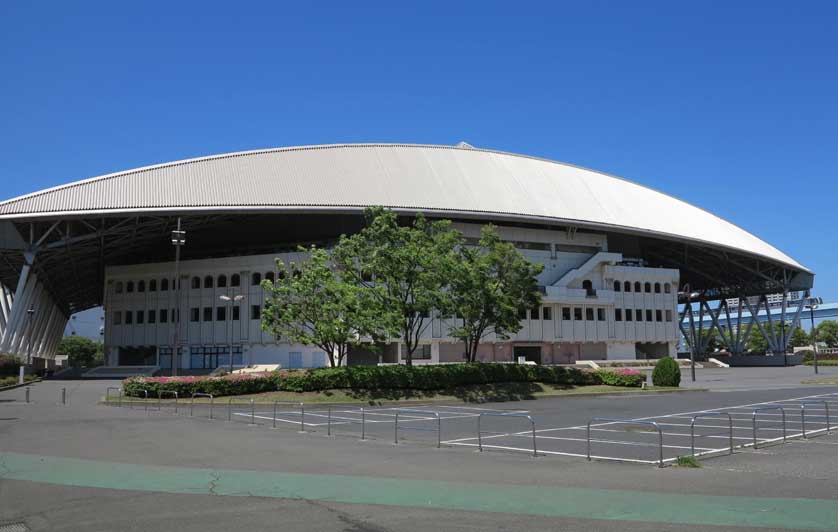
{"points": [[729, 107]]}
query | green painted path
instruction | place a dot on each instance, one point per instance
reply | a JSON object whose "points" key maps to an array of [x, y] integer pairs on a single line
{"points": [[617, 505]]}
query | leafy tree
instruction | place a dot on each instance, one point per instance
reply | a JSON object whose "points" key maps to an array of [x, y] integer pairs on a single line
{"points": [[312, 304], [757, 343], [490, 283], [799, 338], [410, 265], [827, 332], [81, 351]]}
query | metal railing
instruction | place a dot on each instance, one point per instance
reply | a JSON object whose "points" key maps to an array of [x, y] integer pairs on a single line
{"points": [[192, 403], [627, 422], [363, 420], [438, 428], [161, 393], [762, 409], [711, 414], [480, 432], [803, 412], [252, 410], [302, 412], [108, 395]]}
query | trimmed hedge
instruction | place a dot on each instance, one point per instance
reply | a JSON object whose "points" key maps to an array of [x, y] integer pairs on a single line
{"points": [[826, 362], [11, 381], [666, 373], [9, 366], [809, 356], [424, 377]]}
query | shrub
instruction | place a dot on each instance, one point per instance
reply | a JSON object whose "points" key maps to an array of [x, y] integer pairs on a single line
{"points": [[9, 366], [666, 373], [622, 377]]}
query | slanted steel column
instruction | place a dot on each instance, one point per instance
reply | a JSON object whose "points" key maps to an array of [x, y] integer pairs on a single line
{"points": [[23, 297], [18, 345]]}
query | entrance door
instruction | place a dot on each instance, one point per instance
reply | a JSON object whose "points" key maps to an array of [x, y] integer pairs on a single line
{"points": [[295, 360], [532, 353]]}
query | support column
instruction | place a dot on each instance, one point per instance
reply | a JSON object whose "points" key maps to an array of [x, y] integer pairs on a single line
{"points": [[25, 325]]}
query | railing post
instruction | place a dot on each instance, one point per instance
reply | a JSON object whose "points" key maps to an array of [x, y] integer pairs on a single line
{"points": [[63, 396], [363, 424], [230, 409], [253, 411], [534, 448], [302, 417], [396, 429], [27, 394], [439, 431], [588, 438], [660, 444], [329, 422], [479, 432], [274, 416]]}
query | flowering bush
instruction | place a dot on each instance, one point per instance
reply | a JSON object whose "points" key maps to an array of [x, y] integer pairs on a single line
{"points": [[424, 377]]}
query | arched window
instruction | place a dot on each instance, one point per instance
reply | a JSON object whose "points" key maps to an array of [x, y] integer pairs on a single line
{"points": [[196, 282], [152, 285], [588, 286], [648, 288], [269, 276], [256, 278], [208, 281], [657, 288], [235, 280], [637, 286], [627, 287], [616, 286], [164, 285], [222, 281], [140, 286], [667, 288], [129, 286]]}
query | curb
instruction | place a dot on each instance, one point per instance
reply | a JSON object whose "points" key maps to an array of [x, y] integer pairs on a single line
{"points": [[13, 386]]}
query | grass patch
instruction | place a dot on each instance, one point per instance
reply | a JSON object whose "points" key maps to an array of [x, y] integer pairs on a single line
{"points": [[687, 461], [481, 393], [820, 380]]}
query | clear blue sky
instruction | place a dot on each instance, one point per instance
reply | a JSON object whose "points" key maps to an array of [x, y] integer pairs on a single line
{"points": [[729, 105]]}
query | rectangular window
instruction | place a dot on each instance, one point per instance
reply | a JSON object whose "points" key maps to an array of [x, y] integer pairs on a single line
{"points": [[140, 317], [668, 315], [194, 314], [547, 313], [533, 313], [577, 313], [658, 315], [618, 314], [638, 315], [422, 352], [207, 313], [152, 316], [255, 312], [129, 317], [648, 314], [164, 315], [220, 313], [628, 314], [589, 314], [600, 314], [117, 318], [522, 313], [566, 313], [235, 313]]}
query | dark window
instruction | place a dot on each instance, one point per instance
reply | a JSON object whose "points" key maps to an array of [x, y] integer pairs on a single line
{"points": [[648, 314], [235, 280], [533, 313], [296, 273], [637, 286], [222, 281], [129, 286], [196, 282], [547, 313], [256, 278], [566, 313], [657, 288], [140, 286], [117, 318], [117, 287], [207, 313], [220, 313], [152, 285], [366, 277], [152, 316], [628, 314], [194, 314], [235, 313], [208, 281], [588, 286], [638, 315], [424, 314], [129, 317], [626, 286], [175, 314], [422, 352], [618, 314], [616, 286], [668, 315], [140, 317], [522, 313], [589, 314], [577, 313], [269, 276], [667, 288], [164, 285], [647, 288], [164, 315], [255, 312], [600, 314], [658, 315]]}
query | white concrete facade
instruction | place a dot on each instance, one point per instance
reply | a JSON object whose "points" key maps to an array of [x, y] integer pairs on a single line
{"points": [[595, 306]]}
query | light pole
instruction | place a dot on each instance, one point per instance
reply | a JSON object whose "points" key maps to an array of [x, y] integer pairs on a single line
{"points": [[812, 303], [230, 300], [178, 239]]}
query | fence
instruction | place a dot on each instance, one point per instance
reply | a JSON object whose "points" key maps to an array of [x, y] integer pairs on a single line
{"points": [[495, 414], [438, 429], [765, 408], [627, 422]]}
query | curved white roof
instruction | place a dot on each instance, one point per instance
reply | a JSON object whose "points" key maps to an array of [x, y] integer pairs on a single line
{"points": [[458, 180]]}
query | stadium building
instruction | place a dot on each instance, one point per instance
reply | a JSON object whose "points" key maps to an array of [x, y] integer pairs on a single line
{"points": [[619, 258]]}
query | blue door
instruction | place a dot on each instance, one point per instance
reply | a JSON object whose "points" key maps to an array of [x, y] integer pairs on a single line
{"points": [[295, 360]]}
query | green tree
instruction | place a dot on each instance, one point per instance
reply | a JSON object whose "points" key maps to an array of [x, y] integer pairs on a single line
{"points": [[827, 332], [799, 338], [409, 264], [81, 351], [310, 303], [490, 283]]}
